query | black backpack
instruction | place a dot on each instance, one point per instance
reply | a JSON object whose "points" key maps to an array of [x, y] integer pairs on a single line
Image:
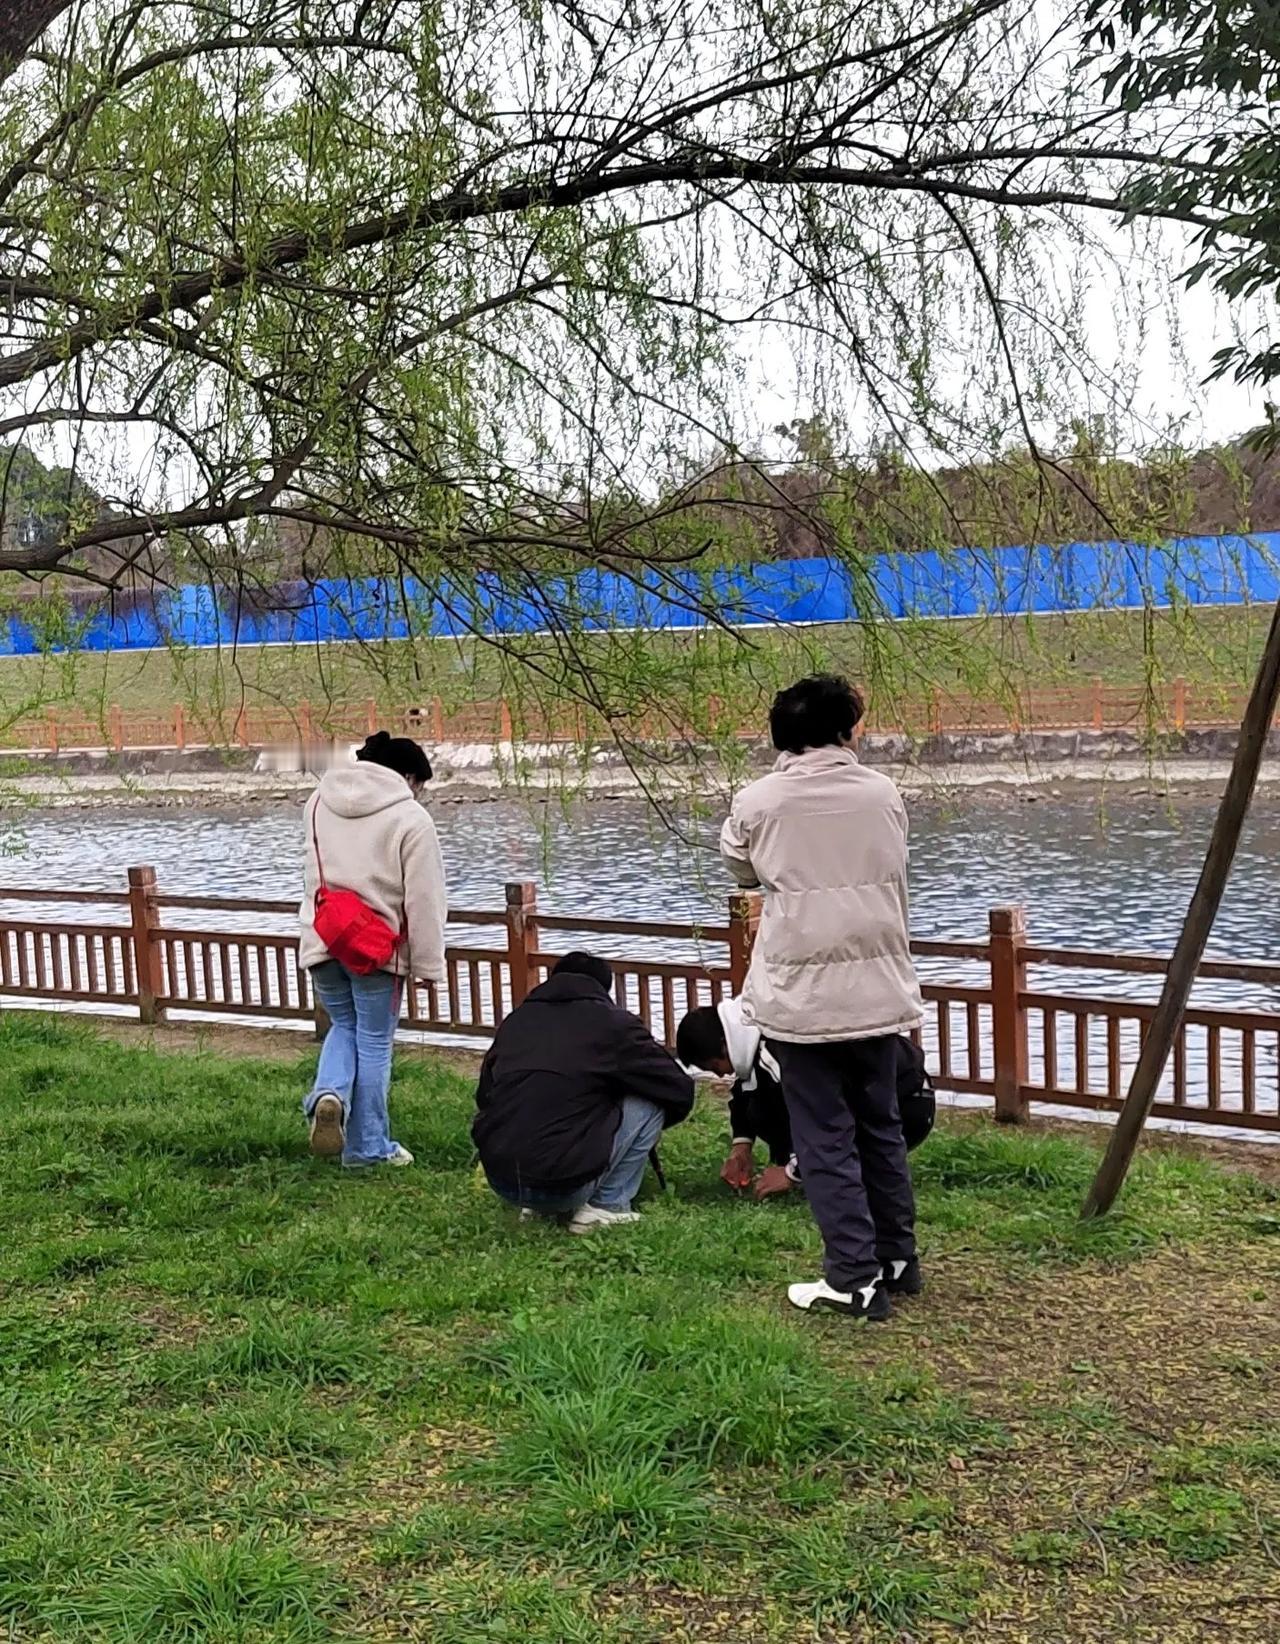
{"points": [[916, 1100]]}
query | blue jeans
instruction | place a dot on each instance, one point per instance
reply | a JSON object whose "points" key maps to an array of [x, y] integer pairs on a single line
{"points": [[355, 1059], [638, 1131]]}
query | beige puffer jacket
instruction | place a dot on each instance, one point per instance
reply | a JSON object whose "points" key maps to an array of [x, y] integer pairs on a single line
{"points": [[826, 839], [375, 839]]}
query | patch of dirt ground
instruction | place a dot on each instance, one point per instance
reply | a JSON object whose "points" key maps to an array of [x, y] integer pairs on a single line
{"points": [[1128, 1396]]}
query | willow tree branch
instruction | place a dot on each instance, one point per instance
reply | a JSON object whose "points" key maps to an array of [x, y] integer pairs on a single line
{"points": [[289, 250]]}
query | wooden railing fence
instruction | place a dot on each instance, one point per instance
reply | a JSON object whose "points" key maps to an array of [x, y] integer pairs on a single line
{"points": [[989, 1032]]}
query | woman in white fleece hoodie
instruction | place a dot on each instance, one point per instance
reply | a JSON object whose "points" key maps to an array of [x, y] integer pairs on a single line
{"points": [[373, 838]]}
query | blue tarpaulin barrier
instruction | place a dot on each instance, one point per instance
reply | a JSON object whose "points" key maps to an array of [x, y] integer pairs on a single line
{"points": [[959, 582]]}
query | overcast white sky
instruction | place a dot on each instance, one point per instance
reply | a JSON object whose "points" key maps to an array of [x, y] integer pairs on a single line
{"points": [[1162, 374]]}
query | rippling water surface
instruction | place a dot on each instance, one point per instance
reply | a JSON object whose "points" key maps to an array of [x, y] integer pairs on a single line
{"points": [[1115, 875]]}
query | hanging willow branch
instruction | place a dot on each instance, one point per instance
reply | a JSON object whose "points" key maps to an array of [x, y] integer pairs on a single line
{"points": [[379, 288]]}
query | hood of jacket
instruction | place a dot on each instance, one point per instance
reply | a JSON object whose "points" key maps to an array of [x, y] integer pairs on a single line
{"points": [[742, 1041], [745, 1046], [363, 789], [567, 989]]}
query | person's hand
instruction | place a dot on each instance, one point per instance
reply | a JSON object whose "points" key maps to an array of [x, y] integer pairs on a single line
{"points": [[739, 1168], [773, 1180]]}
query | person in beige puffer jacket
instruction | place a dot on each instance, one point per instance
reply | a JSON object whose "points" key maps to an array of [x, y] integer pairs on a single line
{"points": [[831, 984], [374, 838]]}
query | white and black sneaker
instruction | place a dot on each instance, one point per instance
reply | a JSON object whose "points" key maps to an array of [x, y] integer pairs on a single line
{"points": [[903, 1278], [867, 1301]]}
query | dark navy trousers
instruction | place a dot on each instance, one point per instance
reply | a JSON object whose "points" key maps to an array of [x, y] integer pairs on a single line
{"points": [[845, 1127]]}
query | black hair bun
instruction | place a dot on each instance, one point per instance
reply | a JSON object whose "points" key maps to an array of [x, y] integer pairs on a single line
{"points": [[396, 753]]}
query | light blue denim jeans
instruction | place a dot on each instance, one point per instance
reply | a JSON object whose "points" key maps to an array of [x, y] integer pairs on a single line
{"points": [[637, 1135], [355, 1059]]}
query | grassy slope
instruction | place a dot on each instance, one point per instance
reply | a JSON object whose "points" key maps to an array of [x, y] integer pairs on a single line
{"points": [[1216, 648], [247, 1398]]}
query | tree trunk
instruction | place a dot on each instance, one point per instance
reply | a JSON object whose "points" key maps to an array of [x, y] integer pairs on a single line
{"points": [[22, 22], [1167, 1021]]}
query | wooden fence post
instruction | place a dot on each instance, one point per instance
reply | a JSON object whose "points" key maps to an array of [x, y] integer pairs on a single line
{"points": [[371, 715], [305, 726], [148, 962], [437, 720], [53, 730], [1180, 706], [744, 921], [1008, 930], [522, 939], [116, 721], [179, 727], [1097, 705], [506, 733]]}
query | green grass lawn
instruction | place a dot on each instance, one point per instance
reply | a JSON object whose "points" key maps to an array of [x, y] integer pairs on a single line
{"points": [[1216, 650], [248, 1398]]}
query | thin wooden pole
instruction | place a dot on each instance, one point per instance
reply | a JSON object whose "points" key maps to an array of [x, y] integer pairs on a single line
{"points": [[1167, 1021]]}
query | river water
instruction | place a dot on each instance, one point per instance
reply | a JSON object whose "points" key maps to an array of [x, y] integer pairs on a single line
{"points": [[1111, 874]]}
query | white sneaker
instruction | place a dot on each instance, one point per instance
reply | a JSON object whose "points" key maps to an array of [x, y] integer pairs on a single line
{"points": [[328, 1137], [398, 1156], [868, 1301], [592, 1216], [527, 1215]]}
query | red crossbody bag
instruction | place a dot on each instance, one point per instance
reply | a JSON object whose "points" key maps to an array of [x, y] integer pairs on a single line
{"points": [[356, 936]]}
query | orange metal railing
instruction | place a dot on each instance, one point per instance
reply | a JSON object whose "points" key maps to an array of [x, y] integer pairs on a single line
{"points": [[1170, 709]]}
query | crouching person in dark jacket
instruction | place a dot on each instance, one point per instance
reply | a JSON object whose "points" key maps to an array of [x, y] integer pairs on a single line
{"points": [[573, 1097]]}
